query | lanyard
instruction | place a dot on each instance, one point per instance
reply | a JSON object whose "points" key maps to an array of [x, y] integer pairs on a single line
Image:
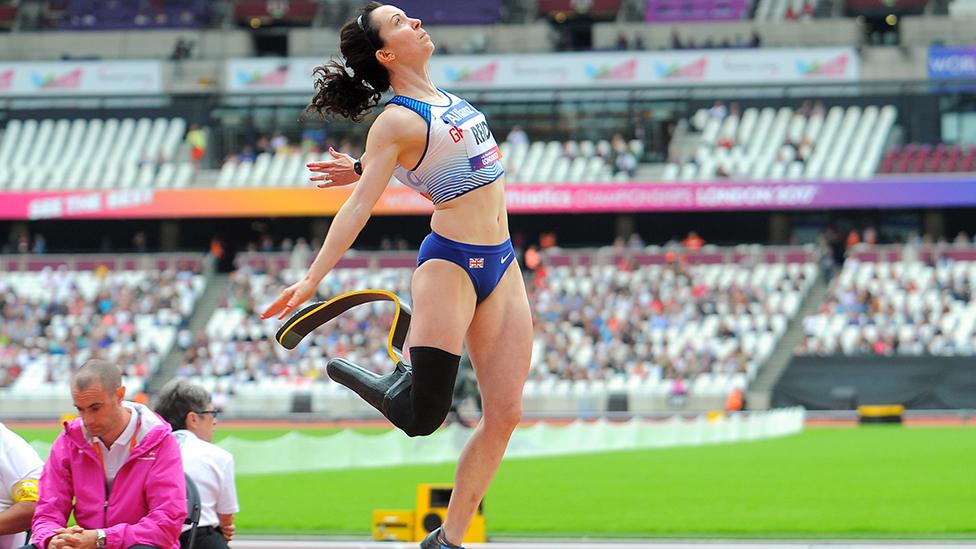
{"points": [[132, 444]]}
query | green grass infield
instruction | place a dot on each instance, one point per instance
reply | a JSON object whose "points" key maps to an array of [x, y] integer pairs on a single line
{"points": [[865, 482]]}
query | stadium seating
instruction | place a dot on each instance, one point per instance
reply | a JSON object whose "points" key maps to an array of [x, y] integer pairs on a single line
{"points": [[84, 154], [597, 10], [269, 170], [634, 328], [770, 144], [904, 308], [293, 13], [780, 10], [237, 343], [563, 162], [458, 12], [8, 16], [664, 11], [760, 144], [538, 162], [712, 325], [914, 158], [237, 350], [964, 8], [130, 153], [54, 320], [119, 14]]}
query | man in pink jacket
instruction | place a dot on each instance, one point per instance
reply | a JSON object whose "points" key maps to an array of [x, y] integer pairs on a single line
{"points": [[120, 464]]}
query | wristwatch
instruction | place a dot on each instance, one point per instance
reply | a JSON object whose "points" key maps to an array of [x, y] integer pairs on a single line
{"points": [[358, 167], [99, 539]]}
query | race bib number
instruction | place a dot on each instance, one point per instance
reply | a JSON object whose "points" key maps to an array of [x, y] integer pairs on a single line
{"points": [[25, 490], [470, 126]]}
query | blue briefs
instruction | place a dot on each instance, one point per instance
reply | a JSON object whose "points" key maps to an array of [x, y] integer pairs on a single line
{"points": [[484, 264]]}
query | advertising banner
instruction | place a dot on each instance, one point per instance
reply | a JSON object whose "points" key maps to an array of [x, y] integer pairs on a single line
{"points": [[581, 70], [952, 63], [522, 199], [271, 74], [52, 78]]}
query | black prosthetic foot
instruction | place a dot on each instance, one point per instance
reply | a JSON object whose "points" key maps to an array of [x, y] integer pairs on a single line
{"points": [[375, 389]]}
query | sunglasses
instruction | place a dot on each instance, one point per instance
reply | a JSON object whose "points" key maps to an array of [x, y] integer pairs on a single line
{"points": [[214, 413]]}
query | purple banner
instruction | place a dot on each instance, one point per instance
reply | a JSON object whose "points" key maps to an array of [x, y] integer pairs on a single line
{"points": [[695, 10], [457, 12], [889, 192], [649, 197]]}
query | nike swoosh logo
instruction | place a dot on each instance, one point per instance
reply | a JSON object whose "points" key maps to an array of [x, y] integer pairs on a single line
{"points": [[506, 256]]}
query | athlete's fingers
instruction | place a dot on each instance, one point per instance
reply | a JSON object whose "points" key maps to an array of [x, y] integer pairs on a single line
{"points": [[289, 307], [276, 305]]}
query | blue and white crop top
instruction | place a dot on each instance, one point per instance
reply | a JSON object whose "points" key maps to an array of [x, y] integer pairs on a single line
{"points": [[461, 153]]}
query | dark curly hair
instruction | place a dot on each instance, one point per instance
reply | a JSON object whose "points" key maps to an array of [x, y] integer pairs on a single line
{"points": [[352, 96]]}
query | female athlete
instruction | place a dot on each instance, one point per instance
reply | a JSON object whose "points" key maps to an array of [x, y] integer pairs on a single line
{"points": [[467, 288]]}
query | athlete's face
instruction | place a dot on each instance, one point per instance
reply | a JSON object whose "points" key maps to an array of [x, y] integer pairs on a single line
{"points": [[404, 39]]}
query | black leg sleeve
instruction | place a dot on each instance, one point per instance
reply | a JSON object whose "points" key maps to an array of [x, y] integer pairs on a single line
{"points": [[418, 410], [415, 398]]}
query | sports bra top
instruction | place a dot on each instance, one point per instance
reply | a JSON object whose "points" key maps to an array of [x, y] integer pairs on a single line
{"points": [[461, 154]]}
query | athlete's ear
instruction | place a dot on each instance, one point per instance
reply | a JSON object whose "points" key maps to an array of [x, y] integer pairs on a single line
{"points": [[385, 56]]}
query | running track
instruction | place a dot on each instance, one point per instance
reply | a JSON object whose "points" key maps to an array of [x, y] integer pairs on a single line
{"points": [[270, 543]]}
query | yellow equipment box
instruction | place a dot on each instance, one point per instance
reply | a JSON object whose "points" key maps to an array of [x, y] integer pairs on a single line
{"points": [[432, 502], [880, 413], [393, 525]]}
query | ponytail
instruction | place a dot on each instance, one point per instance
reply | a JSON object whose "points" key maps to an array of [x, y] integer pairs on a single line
{"points": [[352, 89]]}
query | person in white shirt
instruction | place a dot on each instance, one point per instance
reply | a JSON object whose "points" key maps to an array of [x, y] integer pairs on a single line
{"points": [[517, 136], [20, 473], [189, 410]]}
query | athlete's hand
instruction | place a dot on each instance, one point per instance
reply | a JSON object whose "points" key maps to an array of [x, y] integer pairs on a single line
{"points": [[290, 298], [333, 173]]}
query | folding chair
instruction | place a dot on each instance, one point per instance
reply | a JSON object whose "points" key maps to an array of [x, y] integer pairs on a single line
{"points": [[192, 510]]}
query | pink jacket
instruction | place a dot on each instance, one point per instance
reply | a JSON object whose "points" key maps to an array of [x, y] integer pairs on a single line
{"points": [[147, 504]]}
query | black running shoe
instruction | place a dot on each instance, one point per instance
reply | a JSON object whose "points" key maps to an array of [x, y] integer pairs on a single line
{"points": [[435, 540]]}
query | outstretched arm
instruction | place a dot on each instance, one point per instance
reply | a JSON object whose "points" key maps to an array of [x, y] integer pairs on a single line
{"points": [[383, 147]]}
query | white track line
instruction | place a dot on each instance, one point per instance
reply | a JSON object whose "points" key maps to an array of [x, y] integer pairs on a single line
{"points": [[697, 544]]}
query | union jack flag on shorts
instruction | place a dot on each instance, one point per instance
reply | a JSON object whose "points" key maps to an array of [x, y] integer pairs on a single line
{"points": [[476, 263]]}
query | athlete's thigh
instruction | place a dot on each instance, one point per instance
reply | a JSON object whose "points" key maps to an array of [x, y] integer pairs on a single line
{"points": [[500, 342], [443, 304]]}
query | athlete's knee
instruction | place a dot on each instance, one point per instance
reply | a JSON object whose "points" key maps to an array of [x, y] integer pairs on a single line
{"points": [[419, 419], [425, 424], [503, 419]]}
